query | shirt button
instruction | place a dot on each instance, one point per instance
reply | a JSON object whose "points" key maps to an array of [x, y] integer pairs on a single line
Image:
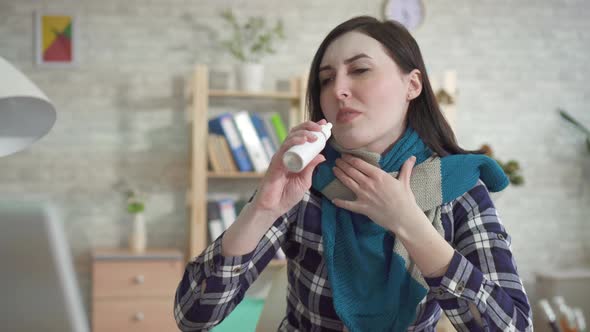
{"points": [[237, 269], [500, 236], [461, 287], [440, 292]]}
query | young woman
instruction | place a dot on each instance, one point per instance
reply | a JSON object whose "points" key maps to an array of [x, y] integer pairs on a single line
{"points": [[390, 224]]}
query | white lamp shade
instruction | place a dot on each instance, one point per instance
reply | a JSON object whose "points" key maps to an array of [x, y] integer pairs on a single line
{"points": [[26, 114]]}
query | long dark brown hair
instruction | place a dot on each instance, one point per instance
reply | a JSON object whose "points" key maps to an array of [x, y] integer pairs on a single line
{"points": [[424, 114]]}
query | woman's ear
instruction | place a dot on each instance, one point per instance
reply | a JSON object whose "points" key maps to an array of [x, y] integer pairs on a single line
{"points": [[414, 84]]}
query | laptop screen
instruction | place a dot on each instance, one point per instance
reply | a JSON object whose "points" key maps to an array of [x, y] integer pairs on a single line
{"points": [[38, 286]]}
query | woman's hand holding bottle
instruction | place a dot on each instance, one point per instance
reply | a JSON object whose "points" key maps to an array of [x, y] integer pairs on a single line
{"points": [[281, 189], [277, 193]]}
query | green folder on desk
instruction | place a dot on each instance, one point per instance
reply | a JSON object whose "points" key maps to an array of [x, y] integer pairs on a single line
{"points": [[243, 318]]}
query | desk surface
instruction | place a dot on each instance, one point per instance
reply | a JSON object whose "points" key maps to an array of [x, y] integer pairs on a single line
{"points": [[125, 254]]}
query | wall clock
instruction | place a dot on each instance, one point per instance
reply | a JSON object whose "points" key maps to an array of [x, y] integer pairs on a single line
{"points": [[410, 13]]}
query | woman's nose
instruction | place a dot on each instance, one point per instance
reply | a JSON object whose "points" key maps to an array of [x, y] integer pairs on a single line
{"points": [[341, 89]]}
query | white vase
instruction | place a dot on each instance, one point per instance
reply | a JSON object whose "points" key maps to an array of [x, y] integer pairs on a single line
{"points": [[138, 236], [250, 76]]}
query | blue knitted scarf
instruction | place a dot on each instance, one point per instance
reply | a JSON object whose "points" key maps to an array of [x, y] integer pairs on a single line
{"points": [[375, 285]]}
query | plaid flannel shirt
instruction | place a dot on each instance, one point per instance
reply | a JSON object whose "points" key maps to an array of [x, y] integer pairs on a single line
{"points": [[481, 290]]}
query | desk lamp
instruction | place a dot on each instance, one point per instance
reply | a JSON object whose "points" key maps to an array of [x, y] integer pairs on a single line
{"points": [[26, 114]]}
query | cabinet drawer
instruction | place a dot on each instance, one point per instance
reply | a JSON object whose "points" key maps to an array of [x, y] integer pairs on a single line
{"points": [[144, 315], [140, 278]]}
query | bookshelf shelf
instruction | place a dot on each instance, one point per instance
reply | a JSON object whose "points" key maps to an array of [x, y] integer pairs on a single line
{"points": [[277, 263], [264, 94], [237, 175], [200, 176]]}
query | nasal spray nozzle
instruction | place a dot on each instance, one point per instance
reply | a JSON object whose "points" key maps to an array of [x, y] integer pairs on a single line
{"points": [[299, 156]]}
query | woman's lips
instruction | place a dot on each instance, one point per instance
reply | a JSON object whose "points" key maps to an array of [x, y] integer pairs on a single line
{"points": [[347, 115]]}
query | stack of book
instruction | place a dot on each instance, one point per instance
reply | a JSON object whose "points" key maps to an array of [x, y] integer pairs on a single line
{"points": [[222, 211], [562, 317], [244, 141]]}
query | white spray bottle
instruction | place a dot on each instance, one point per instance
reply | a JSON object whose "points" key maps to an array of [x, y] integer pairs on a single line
{"points": [[298, 156]]}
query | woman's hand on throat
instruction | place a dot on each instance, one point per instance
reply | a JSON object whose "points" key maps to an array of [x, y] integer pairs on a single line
{"points": [[387, 201]]}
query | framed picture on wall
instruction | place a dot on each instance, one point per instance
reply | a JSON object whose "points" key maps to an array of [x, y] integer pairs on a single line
{"points": [[55, 39]]}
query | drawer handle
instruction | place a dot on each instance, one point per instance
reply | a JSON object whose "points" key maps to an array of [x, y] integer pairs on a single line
{"points": [[139, 316], [139, 279]]}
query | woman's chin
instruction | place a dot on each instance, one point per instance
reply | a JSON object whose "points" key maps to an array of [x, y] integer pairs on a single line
{"points": [[349, 143]]}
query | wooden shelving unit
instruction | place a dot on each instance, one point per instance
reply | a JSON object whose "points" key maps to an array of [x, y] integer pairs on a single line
{"points": [[269, 95], [197, 228], [236, 175]]}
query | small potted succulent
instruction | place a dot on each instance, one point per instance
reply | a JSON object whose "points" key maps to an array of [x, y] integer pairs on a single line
{"points": [[136, 207], [249, 43]]}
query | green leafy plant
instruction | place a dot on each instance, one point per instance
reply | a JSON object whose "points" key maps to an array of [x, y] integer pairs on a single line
{"points": [[444, 98], [510, 167], [576, 124], [251, 40], [135, 202]]}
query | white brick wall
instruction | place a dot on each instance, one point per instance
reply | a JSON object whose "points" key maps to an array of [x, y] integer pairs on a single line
{"points": [[121, 110]]}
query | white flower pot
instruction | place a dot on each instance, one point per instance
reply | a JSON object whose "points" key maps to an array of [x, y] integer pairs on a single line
{"points": [[250, 76], [138, 236]]}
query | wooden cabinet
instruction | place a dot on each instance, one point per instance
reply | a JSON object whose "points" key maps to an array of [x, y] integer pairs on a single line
{"points": [[201, 94], [134, 292]]}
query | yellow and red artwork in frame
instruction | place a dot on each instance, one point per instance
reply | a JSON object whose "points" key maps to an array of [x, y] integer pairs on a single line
{"points": [[55, 39]]}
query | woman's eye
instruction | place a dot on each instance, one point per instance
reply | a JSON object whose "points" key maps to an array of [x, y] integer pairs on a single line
{"points": [[360, 70], [325, 81], [357, 71]]}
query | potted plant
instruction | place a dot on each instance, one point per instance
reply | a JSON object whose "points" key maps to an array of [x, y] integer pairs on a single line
{"points": [[511, 167], [136, 207], [249, 43], [566, 116]]}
